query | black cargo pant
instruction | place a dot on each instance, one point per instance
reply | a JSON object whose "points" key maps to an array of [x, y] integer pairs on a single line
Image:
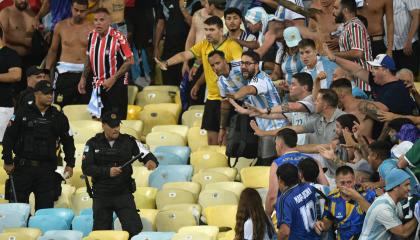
{"points": [[125, 208]]}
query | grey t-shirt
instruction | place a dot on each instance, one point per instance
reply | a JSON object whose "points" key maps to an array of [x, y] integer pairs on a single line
{"points": [[323, 130]]}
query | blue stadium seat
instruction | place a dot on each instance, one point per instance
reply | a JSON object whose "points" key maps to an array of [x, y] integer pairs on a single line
{"points": [[167, 158], [86, 211], [154, 236], [22, 208], [170, 173], [182, 151], [64, 213], [48, 222], [83, 223], [10, 218], [62, 235]]}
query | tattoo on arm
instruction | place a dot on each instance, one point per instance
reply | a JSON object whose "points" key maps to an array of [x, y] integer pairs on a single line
{"points": [[224, 117], [87, 68], [285, 107], [370, 109], [123, 69]]}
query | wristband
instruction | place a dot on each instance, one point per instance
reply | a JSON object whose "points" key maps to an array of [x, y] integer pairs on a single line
{"points": [[196, 65]]}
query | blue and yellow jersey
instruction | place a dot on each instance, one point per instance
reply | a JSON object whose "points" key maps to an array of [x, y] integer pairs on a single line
{"points": [[347, 216]]}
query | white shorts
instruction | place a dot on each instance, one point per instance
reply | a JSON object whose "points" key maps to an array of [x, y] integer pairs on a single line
{"points": [[5, 116]]}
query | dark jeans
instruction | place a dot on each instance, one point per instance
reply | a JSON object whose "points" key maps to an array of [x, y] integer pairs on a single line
{"points": [[66, 91], [378, 47], [116, 99], [411, 62]]}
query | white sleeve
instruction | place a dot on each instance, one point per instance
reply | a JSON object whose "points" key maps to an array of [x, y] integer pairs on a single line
{"points": [[248, 229], [309, 104], [387, 218], [279, 54], [413, 5], [260, 85], [142, 148], [290, 15], [221, 87]]}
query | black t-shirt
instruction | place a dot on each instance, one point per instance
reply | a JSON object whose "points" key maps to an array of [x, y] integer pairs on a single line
{"points": [[8, 59], [394, 95]]}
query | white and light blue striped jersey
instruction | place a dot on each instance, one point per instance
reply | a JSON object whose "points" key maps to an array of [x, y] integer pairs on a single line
{"points": [[381, 216], [283, 13], [232, 83], [322, 64], [301, 118], [267, 97], [290, 65]]}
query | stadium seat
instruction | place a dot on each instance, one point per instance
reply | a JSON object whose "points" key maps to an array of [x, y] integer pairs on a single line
{"points": [[145, 197], [107, 235], [197, 138], [178, 129], [206, 177], [242, 163], [207, 159], [32, 233], [146, 97], [163, 88], [62, 235], [210, 231], [263, 193], [173, 108], [48, 222], [64, 201], [234, 187], [172, 220], [23, 209], [83, 223], [130, 131], [255, 177], [78, 179], [64, 213], [192, 208], [173, 196], [137, 125], [148, 218], [230, 172], [155, 116], [13, 215], [80, 148], [191, 116], [133, 112], [192, 187], [166, 158], [77, 112], [154, 236], [2, 195], [181, 151], [213, 197], [141, 176], [221, 215], [3, 176], [132, 93], [81, 200], [229, 235], [196, 107], [170, 173], [214, 148], [156, 139], [83, 130], [191, 236], [15, 236]]}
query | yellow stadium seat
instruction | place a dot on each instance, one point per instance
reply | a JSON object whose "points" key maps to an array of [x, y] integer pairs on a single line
{"points": [[173, 108], [197, 138], [141, 176], [146, 97], [3, 175], [15, 236], [33, 233], [190, 116], [229, 235], [156, 139], [77, 112], [193, 208], [137, 125], [417, 85], [78, 179], [192, 187], [132, 93], [130, 131], [178, 98], [145, 197], [255, 177], [81, 200], [172, 220], [221, 215], [206, 177], [242, 163], [148, 219], [230, 172], [235, 187], [163, 88], [133, 112], [83, 130], [178, 129], [207, 159], [64, 201], [213, 197], [173, 196], [210, 231], [155, 116], [80, 148], [191, 236], [215, 148], [196, 107], [107, 235], [2, 200]]}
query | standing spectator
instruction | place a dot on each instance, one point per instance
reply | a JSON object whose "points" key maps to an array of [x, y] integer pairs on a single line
{"points": [[233, 21], [354, 40], [10, 72], [116, 11], [109, 59], [406, 40], [382, 219], [257, 22], [72, 54], [59, 9], [284, 14]]}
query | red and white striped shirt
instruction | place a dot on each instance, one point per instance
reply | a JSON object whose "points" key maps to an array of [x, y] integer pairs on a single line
{"points": [[107, 54], [355, 36]]}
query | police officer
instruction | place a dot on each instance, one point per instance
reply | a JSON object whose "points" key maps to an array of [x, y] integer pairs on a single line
{"points": [[34, 75], [113, 186], [32, 135]]}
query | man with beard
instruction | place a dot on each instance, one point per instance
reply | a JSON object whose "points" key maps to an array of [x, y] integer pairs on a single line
{"points": [[17, 21], [70, 36], [354, 40], [233, 21]]}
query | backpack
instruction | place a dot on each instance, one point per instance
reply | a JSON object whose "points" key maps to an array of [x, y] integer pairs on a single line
{"points": [[241, 141]]}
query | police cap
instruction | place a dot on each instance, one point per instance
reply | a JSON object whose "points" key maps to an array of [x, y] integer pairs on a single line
{"points": [[111, 118], [43, 86]]}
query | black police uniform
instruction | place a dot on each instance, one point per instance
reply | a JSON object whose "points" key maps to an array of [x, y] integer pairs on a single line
{"points": [[113, 193], [33, 137], [25, 97]]}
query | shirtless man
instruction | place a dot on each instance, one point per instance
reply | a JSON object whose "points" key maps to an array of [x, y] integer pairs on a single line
{"points": [[70, 36], [374, 11]]}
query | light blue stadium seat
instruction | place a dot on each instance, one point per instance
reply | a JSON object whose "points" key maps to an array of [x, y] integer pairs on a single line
{"points": [[170, 173], [154, 236], [48, 222], [182, 151], [64, 213], [10, 218], [83, 223], [23, 208], [86, 211], [62, 235], [167, 158]]}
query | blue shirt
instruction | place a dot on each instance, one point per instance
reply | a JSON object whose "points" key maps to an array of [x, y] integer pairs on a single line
{"points": [[322, 64], [60, 10], [346, 215], [297, 210], [389, 164], [290, 157]]}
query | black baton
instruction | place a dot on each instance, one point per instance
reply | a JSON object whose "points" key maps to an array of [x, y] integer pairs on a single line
{"points": [[12, 188], [132, 160]]}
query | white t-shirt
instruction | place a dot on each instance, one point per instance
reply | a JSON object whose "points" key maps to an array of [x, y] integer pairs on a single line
{"points": [[248, 231]]}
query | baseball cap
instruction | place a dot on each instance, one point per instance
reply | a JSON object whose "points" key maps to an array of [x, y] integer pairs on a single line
{"points": [[383, 60], [111, 118], [292, 36], [43, 86], [255, 15], [34, 70], [395, 178]]}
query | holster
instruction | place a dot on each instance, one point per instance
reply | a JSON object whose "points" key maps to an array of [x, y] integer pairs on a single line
{"points": [[7, 190], [132, 186], [57, 185]]}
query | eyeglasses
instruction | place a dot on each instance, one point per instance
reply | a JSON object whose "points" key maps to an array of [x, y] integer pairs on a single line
{"points": [[246, 63]]}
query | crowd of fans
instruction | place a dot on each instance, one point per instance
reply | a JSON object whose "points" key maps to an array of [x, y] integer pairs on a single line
{"points": [[329, 85]]}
